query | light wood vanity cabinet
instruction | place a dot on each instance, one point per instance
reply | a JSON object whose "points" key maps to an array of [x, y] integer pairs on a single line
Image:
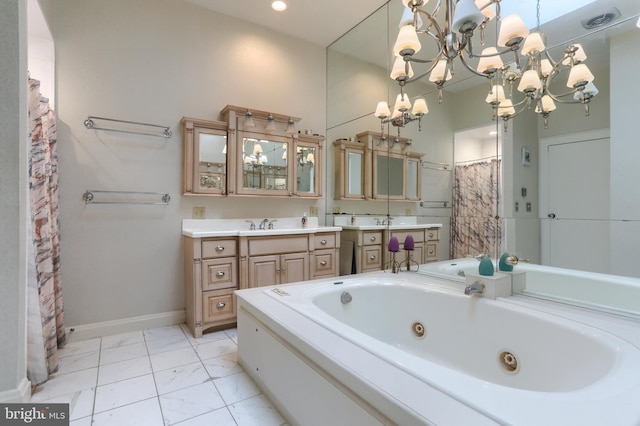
{"points": [[211, 277], [324, 251], [367, 249]]}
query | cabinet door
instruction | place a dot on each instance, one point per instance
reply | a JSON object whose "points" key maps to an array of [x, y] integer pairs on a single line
{"points": [[294, 267], [431, 252], [371, 258], [308, 168], [324, 263], [264, 270]]}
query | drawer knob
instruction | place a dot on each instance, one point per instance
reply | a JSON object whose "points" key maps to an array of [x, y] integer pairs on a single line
{"points": [[219, 248], [323, 242], [372, 257], [373, 238], [219, 274], [220, 305], [430, 251], [430, 234], [323, 263]]}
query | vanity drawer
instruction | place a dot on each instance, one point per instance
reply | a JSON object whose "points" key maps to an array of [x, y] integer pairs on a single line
{"points": [[219, 273], [324, 263], [218, 248], [430, 252], [217, 305], [322, 241], [431, 234], [371, 258], [371, 237], [277, 245]]}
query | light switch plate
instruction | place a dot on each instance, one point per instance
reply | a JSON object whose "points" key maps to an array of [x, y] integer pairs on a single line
{"points": [[313, 211], [198, 213]]}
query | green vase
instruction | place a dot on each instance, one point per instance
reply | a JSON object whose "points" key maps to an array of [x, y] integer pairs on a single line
{"points": [[503, 265], [486, 266]]}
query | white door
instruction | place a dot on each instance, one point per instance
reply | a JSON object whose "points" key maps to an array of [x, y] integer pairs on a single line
{"points": [[575, 217]]}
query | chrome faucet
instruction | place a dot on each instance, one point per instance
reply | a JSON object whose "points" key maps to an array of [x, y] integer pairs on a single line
{"points": [[263, 224], [252, 227], [271, 223], [475, 288], [387, 221]]}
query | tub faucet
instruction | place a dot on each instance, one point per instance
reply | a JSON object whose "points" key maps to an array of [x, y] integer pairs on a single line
{"points": [[475, 288], [264, 223]]}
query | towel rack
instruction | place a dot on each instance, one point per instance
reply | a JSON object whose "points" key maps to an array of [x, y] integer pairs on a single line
{"points": [[144, 128], [126, 197], [444, 204], [435, 166]]}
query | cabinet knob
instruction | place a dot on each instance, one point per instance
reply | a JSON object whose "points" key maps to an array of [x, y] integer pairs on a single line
{"points": [[219, 248], [430, 234], [278, 269], [372, 238], [219, 274], [323, 263], [220, 305], [372, 257], [430, 251], [323, 242]]}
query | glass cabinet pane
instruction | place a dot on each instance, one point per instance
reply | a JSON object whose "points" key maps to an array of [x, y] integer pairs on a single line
{"points": [[389, 177], [412, 180], [212, 161], [264, 164], [355, 162], [306, 157]]}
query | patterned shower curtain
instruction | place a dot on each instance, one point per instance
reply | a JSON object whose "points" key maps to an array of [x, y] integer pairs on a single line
{"points": [[45, 310], [474, 227]]}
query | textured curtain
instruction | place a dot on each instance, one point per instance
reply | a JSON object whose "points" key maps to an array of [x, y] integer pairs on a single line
{"points": [[45, 310], [474, 228]]}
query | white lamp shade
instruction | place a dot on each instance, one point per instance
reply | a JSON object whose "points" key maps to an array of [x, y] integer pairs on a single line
{"points": [[257, 149], [407, 40], [402, 103], [490, 64], [529, 81], [578, 56], [420, 107], [407, 18], [533, 44], [579, 76], [545, 67], [310, 158], [496, 94], [506, 108], [489, 12], [512, 29], [437, 74], [466, 13], [396, 114], [271, 124], [547, 104], [382, 110], [399, 67]]}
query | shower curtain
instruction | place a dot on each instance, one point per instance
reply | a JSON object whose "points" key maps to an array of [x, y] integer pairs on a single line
{"points": [[474, 227], [45, 309]]}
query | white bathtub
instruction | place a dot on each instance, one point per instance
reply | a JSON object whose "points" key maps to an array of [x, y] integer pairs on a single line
{"points": [[599, 291], [570, 368]]}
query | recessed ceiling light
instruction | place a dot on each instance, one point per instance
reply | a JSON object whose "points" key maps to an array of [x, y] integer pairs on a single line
{"points": [[278, 6]]}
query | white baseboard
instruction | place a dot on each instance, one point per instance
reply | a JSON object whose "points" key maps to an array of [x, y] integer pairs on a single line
{"points": [[21, 394], [124, 325]]}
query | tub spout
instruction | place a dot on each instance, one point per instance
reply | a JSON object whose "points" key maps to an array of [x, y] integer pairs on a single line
{"points": [[475, 288]]}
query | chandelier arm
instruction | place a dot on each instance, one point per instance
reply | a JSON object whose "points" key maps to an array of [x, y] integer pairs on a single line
{"points": [[439, 36], [481, 74]]}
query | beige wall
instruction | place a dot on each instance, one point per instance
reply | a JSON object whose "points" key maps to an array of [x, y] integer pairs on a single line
{"points": [[155, 61]]}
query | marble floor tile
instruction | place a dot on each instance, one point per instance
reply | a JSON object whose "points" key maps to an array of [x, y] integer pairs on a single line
{"points": [[236, 387], [222, 366], [77, 362], [80, 403], [122, 370], [124, 392], [256, 411], [180, 377], [85, 421], [165, 344], [190, 402], [122, 353], [143, 413], [220, 417], [207, 337], [79, 347], [163, 332], [62, 384], [175, 358], [122, 339], [216, 349]]}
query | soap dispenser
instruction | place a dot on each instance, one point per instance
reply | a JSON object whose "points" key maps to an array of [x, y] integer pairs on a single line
{"points": [[486, 267], [304, 220]]}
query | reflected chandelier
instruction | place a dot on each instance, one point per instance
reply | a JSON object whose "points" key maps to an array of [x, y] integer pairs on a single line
{"points": [[454, 39]]}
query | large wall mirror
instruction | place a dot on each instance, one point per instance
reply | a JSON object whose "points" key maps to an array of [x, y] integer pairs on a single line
{"points": [[567, 193]]}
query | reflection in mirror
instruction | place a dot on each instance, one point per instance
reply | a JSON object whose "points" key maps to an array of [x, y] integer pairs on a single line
{"points": [[412, 179], [264, 164], [306, 168], [355, 161], [527, 228], [389, 176], [212, 158]]}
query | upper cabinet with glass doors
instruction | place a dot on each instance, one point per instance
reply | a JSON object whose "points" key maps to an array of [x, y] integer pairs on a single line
{"points": [[251, 153], [270, 157]]}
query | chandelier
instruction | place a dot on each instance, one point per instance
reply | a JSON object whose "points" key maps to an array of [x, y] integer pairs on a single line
{"points": [[528, 66]]}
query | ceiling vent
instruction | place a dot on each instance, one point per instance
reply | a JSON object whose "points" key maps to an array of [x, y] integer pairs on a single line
{"points": [[601, 20]]}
